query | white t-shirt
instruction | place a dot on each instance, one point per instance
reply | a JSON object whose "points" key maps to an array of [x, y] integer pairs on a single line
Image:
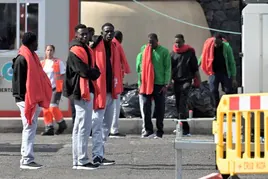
{"points": [[48, 69]]}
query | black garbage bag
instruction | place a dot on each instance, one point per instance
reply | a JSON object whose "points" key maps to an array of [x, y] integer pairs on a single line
{"points": [[201, 101], [127, 88], [130, 104], [170, 106]]}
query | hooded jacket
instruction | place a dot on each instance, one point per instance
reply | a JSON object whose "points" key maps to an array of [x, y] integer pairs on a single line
{"points": [[76, 68]]}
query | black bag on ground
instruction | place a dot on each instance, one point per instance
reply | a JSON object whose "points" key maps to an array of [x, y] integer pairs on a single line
{"points": [[170, 106], [201, 101], [130, 104]]}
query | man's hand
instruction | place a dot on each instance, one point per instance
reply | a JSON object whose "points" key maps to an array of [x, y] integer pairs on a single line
{"points": [[94, 73], [164, 89], [234, 83]]}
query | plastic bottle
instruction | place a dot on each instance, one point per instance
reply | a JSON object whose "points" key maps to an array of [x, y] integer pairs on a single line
{"points": [[179, 130], [190, 114]]}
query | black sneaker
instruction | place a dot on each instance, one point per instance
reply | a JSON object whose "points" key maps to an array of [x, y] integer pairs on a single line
{"points": [[158, 136], [30, 166], [107, 162], [117, 135], [49, 131], [148, 135], [97, 161], [62, 127], [88, 166]]}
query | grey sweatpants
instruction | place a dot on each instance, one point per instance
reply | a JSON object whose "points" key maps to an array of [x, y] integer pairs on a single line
{"points": [[115, 126], [28, 134], [81, 130], [101, 125], [141, 100]]}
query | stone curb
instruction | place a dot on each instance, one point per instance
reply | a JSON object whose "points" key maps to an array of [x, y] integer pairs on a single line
{"points": [[126, 125]]}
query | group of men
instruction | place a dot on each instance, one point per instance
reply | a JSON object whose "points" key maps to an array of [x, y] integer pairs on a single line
{"points": [[157, 69], [94, 81]]}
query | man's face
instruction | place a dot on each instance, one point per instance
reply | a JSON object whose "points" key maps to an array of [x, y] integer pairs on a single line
{"points": [[107, 33], [218, 42], [82, 35], [35, 46], [153, 42], [179, 42]]}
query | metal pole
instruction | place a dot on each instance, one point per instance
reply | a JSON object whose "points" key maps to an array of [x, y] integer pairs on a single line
{"points": [[178, 156]]}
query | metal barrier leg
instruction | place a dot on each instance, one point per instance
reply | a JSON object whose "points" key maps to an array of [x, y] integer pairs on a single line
{"points": [[178, 174]]}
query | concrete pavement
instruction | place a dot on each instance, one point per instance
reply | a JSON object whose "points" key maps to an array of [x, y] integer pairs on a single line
{"points": [[136, 158], [126, 125]]}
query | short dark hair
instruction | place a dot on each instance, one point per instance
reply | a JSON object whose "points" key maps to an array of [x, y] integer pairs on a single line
{"points": [[153, 35], [80, 26], [179, 36], [28, 38], [218, 36], [107, 24], [118, 34], [90, 29]]}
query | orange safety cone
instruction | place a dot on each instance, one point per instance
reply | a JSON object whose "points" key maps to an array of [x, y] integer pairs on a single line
{"points": [[212, 176]]}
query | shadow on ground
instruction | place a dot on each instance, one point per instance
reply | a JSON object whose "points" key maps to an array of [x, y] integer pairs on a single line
{"points": [[7, 147]]}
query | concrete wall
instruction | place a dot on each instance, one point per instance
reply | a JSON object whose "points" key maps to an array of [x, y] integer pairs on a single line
{"points": [[136, 22]]}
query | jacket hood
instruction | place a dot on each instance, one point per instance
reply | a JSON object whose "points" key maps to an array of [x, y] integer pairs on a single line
{"points": [[75, 42]]}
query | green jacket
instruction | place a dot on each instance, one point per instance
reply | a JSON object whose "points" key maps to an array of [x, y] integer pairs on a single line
{"points": [[162, 65], [229, 59]]}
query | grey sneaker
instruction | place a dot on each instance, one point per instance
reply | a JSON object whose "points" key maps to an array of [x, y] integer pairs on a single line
{"points": [[30, 166]]}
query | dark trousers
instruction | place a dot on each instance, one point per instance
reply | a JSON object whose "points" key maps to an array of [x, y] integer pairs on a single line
{"points": [[73, 109], [226, 83], [159, 99], [181, 91]]}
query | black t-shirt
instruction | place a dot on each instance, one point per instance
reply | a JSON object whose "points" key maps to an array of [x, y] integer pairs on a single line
{"points": [[109, 73], [219, 65]]}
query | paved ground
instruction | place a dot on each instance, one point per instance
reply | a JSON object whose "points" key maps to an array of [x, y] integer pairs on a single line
{"points": [[136, 159]]}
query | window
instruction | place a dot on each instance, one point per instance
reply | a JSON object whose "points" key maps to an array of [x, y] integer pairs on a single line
{"points": [[29, 20], [16, 18], [8, 26]]}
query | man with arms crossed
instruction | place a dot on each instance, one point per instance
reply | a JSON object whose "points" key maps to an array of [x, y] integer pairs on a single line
{"points": [[79, 85]]}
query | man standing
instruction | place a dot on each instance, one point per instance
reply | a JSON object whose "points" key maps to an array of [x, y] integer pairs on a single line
{"points": [[79, 85], [184, 70], [109, 84], [118, 38], [32, 90], [154, 67], [217, 61], [91, 32]]}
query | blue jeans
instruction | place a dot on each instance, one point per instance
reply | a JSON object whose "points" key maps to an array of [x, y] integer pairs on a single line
{"points": [[224, 80]]}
